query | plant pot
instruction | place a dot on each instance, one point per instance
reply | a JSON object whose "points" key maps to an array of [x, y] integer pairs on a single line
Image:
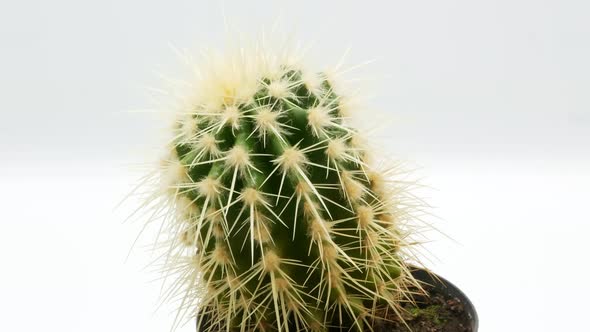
{"points": [[440, 285], [435, 284]]}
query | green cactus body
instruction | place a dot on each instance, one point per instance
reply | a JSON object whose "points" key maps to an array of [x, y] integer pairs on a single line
{"points": [[286, 224]]}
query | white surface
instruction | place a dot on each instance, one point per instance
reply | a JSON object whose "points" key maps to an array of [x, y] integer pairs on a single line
{"points": [[490, 97], [520, 231]]}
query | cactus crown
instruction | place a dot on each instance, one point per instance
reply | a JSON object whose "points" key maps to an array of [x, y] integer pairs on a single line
{"points": [[278, 220]]}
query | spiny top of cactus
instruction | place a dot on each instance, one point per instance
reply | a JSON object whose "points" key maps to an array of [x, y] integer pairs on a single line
{"points": [[275, 217]]}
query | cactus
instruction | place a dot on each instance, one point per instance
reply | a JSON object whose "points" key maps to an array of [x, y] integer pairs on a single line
{"points": [[279, 222]]}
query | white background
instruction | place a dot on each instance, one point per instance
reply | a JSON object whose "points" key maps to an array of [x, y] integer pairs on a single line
{"points": [[490, 98]]}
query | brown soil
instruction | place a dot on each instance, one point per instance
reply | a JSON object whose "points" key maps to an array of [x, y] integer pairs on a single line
{"points": [[437, 313]]}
